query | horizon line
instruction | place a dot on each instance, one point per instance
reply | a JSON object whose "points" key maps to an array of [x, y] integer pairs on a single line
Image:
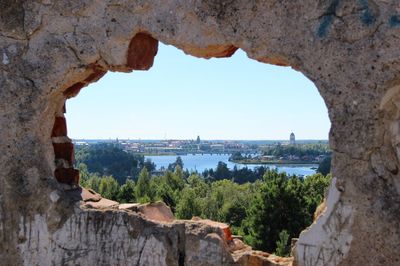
{"points": [[194, 139]]}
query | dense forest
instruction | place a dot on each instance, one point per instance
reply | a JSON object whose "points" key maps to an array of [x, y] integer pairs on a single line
{"points": [[109, 159], [297, 150], [267, 208]]}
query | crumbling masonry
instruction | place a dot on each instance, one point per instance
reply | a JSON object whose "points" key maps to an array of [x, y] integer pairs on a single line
{"points": [[50, 49]]}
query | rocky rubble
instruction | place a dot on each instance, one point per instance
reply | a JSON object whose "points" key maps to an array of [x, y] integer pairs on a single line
{"points": [[218, 233]]}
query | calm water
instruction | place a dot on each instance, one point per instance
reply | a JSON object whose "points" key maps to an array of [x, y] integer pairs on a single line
{"points": [[201, 162]]}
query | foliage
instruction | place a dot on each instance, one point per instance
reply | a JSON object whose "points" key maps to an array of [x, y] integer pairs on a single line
{"points": [[240, 176], [142, 189], [314, 191], [150, 166], [266, 207], [325, 166], [284, 203], [189, 205], [109, 187], [297, 150], [244, 175], [84, 174], [127, 192], [109, 159], [93, 182], [282, 248], [236, 156], [178, 162], [222, 171], [278, 206]]}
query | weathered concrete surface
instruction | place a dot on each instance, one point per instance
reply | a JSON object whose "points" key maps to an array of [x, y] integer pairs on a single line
{"points": [[128, 237], [49, 50]]}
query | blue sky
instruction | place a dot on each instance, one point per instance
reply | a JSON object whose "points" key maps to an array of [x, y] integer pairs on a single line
{"points": [[181, 97]]}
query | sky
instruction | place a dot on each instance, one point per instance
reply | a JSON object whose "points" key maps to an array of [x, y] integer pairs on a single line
{"points": [[182, 97]]}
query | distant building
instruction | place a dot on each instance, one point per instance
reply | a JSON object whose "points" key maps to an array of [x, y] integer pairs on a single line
{"points": [[292, 139], [217, 147], [198, 140]]}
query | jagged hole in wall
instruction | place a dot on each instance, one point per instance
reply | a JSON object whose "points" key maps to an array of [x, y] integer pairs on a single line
{"points": [[182, 97]]}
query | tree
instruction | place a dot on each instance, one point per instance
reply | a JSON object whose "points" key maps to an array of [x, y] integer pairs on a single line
{"points": [[212, 205], [189, 205], [236, 156], [278, 206], [282, 248], [155, 182], [93, 182], [178, 179], [324, 166], [178, 162], [142, 189], [234, 211], [315, 187], [83, 174], [222, 171], [170, 187], [109, 187], [198, 185], [109, 159], [166, 194], [311, 150], [150, 166], [126, 192]]}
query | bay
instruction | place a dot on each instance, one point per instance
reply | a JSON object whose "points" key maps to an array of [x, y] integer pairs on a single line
{"points": [[200, 162]]}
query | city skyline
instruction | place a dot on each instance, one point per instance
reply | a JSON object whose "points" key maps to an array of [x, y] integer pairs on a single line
{"points": [[194, 139], [219, 99]]}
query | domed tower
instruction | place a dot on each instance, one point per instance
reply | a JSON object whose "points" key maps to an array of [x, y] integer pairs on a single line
{"points": [[292, 139]]}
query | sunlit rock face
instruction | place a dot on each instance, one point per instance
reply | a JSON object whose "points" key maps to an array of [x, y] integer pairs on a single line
{"points": [[49, 50]]}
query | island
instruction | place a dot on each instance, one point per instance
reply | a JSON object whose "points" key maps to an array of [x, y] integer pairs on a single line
{"points": [[285, 154]]}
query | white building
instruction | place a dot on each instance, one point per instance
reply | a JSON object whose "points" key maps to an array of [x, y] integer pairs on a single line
{"points": [[292, 139]]}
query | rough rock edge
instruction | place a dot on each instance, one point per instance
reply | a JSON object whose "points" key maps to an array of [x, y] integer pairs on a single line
{"points": [[241, 253]]}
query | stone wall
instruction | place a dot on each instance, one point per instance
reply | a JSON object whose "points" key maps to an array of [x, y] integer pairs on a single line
{"points": [[49, 50]]}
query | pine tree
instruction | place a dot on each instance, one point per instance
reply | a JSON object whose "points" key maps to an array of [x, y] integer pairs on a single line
{"points": [[142, 189]]}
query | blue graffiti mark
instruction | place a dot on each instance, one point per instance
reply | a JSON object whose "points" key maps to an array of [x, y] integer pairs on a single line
{"points": [[367, 16], [327, 19], [324, 26], [394, 21]]}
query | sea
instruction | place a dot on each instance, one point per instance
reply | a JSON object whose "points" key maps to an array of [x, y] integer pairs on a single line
{"points": [[200, 162]]}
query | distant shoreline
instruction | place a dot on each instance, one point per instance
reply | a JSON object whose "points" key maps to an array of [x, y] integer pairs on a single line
{"points": [[183, 154], [279, 162], [246, 161]]}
